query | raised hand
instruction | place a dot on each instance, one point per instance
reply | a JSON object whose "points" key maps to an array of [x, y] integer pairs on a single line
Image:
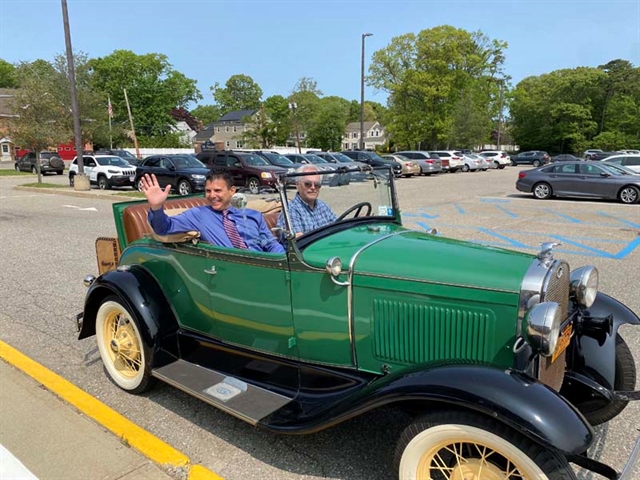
{"points": [[156, 196]]}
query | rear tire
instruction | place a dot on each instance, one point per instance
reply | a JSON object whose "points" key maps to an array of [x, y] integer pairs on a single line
{"points": [[72, 180], [542, 191], [474, 446], [625, 381], [629, 195], [126, 357], [536, 163], [465, 168]]}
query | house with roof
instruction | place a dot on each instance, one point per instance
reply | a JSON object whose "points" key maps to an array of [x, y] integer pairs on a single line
{"points": [[7, 152], [229, 129], [374, 136]]}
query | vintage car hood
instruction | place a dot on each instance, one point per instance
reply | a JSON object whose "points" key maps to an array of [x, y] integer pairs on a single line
{"points": [[415, 255]]}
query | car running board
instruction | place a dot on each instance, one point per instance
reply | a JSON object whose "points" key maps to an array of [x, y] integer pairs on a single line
{"points": [[234, 396]]}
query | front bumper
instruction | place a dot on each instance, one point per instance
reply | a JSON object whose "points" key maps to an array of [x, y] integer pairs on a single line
{"points": [[122, 180]]}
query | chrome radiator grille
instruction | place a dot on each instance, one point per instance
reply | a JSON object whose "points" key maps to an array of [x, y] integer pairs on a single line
{"points": [[555, 289]]}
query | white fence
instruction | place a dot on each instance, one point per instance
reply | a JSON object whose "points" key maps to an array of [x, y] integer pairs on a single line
{"points": [[145, 152]]}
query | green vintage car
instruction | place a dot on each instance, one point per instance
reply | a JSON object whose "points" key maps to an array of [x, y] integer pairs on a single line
{"points": [[505, 359]]}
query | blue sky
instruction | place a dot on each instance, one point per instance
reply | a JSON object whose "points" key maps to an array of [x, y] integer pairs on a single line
{"points": [[276, 42]]}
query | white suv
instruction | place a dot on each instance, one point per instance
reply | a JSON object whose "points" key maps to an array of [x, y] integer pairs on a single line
{"points": [[456, 162], [106, 171], [499, 158]]}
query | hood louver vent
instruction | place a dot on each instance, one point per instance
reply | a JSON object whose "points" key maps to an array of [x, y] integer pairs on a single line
{"points": [[412, 333]]}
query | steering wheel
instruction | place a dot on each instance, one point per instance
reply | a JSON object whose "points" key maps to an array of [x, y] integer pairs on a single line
{"points": [[358, 207]]}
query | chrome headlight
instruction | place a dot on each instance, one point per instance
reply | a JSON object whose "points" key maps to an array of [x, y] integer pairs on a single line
{"points": [[266, 175], [584, 285], [543, 326], [197, 176]]}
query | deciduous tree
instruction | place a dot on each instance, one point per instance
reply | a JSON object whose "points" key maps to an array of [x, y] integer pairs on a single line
{"points": [[240, 92]]}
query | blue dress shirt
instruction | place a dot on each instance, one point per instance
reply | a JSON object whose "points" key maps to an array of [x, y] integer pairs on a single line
{"points": [[250, 224]]}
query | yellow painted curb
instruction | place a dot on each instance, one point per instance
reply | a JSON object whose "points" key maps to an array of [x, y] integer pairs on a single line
{"points": [[147, 444]]}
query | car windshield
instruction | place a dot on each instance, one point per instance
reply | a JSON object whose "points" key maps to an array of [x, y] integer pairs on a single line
{"points": [[374, 156], [115, 161], [254, 160], [616, 169], [124, 154], [341, 157], [277, 159], [315, 158], [186, 161], [341, 191]]}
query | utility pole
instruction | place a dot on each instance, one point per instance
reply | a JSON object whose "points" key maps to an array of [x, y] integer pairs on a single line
{"points": [[77, 132], [133, 130], [500, 114], [364, 35]]}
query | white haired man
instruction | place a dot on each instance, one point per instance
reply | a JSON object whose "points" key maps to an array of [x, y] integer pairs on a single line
{"points": [[306, 211]]}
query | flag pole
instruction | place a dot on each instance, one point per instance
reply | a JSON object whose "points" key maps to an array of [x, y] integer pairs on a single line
{"points": [[133, 130], [110, 116]]}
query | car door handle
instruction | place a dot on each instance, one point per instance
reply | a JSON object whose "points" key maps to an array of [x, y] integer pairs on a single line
{"points": [[211, 271]]}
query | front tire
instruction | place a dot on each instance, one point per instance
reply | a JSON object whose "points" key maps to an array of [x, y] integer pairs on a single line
{"points": [[72, 180], [542, 191], [253, 184], [629, 195], [126, 357], [536, 163], [184, 187], [103, 183], [34, 170], [625, 380], [445, 445]]}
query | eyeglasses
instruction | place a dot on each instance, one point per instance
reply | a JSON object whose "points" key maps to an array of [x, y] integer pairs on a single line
{"points": [[310, 184]]}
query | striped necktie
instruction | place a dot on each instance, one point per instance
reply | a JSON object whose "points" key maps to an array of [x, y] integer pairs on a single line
{"points": [[232, 231]]}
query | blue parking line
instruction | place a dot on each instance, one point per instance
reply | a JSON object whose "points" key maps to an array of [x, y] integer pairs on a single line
{"points": [[597, 251], [626, 222], [562, 215], [495, 200], [628, 249], [423, 225], [511, 214], [459, 209], [510, 241]]}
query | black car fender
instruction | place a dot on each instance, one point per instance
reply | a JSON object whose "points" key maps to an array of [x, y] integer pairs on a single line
{"points": [[595, 357], [508, 396], [141, 294]]}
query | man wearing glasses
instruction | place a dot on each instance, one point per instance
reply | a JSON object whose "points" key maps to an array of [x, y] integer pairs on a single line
{"points": [[306, 211]]}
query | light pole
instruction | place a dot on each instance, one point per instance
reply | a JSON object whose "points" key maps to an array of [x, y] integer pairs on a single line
{"points": [[293, 106], [364, 35]]}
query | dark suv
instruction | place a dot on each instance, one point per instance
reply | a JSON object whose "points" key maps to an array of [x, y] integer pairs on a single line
{"points": [[184, 173], [50, 162], [247, 169], [124, 154], [534, 157], [373, 159]]}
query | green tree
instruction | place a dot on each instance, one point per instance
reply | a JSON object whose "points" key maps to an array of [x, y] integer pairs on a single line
{"points": [[328, 124], [7, 75], [154, 88], [261, 131], [40, 114], [206, 113], [427, 75], [306, 97], [240, 92], [277, 109]]}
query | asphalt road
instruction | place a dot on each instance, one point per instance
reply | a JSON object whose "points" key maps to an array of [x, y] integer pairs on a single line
{"points": [[47, 247]]}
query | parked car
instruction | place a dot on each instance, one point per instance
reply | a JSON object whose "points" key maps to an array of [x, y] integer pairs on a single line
{"points": [[321, 164], [455, 159], [409, 167], [502, 375], [429, 162], [601, 155], [105, 171], [50, 162], [184, 173], [374, 160], [471, 163], [564, 157], [588, 153], [247, 169], [630, 161], [630, 152], [483, 163], [125, 154], [338, 160], [533, 157], [587, 179], [499, 158]]}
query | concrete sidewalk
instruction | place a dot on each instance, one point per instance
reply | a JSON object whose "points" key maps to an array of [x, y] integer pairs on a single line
{"points": [[62, 433], [55, 441]]}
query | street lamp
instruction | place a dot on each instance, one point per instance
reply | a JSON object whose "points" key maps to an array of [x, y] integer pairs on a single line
{"points": [[293, 106], [364, 35]]}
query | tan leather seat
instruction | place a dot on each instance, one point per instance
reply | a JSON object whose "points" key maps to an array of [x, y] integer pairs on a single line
{"points": [[134, 217]]}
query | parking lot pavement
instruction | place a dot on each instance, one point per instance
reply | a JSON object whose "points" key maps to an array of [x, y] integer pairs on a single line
{"points": [[586, 228]]}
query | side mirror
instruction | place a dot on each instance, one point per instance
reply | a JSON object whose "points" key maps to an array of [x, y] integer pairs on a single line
{"points": [[171, 168]]}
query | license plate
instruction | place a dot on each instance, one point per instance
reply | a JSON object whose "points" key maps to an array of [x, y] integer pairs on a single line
{"points": [[563, 342], [132, 178]]}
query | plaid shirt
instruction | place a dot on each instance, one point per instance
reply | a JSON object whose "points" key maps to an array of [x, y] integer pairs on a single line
{"points": [[304, 218]]}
